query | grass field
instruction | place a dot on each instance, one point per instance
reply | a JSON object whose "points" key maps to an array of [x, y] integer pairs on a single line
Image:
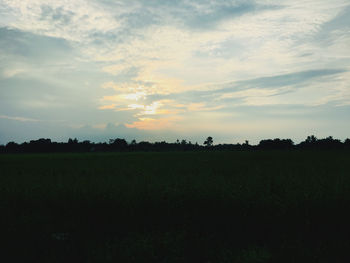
{"points": [[286, 206]]}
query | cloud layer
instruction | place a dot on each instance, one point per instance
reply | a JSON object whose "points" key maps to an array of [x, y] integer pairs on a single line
{"points": [[234, 69]]}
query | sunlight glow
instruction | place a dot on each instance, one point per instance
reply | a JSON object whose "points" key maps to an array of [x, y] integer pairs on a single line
{"points": [[135, 96], [154, 124]]}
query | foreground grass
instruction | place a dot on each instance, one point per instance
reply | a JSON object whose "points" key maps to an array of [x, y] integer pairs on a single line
{"points": [[176, 207]]}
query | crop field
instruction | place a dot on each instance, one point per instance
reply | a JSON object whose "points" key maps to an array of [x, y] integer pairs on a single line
{"points": [[243, 206]]}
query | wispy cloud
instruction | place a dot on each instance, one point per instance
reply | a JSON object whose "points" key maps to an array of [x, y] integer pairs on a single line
{"points": [[22, 119]]}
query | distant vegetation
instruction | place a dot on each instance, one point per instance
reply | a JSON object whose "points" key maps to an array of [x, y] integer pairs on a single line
{"points": [[121, 145]]}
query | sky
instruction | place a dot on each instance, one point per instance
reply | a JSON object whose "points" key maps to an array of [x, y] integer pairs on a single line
{"points": [[174, 69]]}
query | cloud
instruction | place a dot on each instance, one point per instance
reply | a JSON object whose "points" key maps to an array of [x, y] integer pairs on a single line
{"points": [[108, 107], [56, 15], [74, 21], [339, 24], [118, 69], [154, 124], [312, 87], [273, 90], [308, 87], [208, 16], [201, 106], [10, 73], [23, 119], [25, 45], [289, 79]]}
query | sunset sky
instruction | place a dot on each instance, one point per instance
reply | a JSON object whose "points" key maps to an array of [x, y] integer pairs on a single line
{"points": [[166, 69]]}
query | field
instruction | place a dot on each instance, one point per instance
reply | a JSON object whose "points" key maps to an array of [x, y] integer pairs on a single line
{"points": [[254, 206]]}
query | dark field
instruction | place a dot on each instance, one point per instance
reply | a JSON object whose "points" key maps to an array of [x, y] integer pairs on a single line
{"points": [[286, 206]]}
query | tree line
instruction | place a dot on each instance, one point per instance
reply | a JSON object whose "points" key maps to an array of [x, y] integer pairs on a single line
{"points": [[121, 145]]}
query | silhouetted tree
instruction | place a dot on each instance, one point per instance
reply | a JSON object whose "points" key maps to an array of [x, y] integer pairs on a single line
{"points": [[329, 143], [72, 141], [118, 144], [311, 139], [309, 143], [312, 142], [72, 145], [244, 146], [12, 147], [209, 141], [144, 146], [276, 144], [347, 143], [41, 145]]}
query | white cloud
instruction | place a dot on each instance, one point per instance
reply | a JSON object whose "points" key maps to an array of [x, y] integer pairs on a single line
{"points": [[72, 20]]}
